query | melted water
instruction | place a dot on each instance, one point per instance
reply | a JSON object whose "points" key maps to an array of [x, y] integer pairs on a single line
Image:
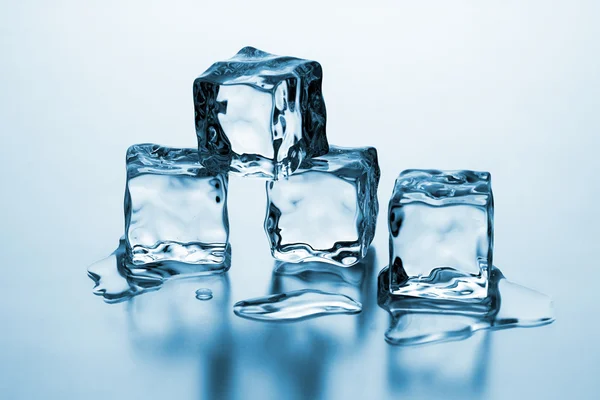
{"points": [[114, 282], [296, 305], [204, 294], [117, 280], [418, 321]]}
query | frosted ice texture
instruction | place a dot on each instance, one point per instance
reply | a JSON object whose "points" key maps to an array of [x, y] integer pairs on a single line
{"points": [[327, 210], [175, 209], [259, 114], [441, 234]]}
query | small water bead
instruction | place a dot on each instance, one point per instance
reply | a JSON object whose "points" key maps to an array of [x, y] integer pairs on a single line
{"points": [[204, 294]]}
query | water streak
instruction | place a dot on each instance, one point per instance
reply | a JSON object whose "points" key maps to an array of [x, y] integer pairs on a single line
{"points": [[296, 305], [418, 321]]}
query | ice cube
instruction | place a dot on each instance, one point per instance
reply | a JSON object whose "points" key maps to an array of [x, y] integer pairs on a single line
{"points": [[175, 209], [259, 114], [441, 234], [326, 210]]}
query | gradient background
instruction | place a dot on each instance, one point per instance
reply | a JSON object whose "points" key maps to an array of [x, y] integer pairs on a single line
{"points": [[509, 87]]}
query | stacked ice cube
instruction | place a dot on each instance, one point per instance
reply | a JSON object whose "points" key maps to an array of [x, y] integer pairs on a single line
{"points": [[257, 115], [260, 114]]}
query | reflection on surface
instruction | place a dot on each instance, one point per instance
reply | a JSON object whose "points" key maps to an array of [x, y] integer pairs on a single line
{"points": [[310, 289], [238, 359], [296, 360], [456, 370], [235, 358], [354, 282], [172, 325], [417, 321]]}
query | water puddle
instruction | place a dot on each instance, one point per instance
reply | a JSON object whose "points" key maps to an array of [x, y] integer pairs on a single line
{"points": [[417, 321], [116, 280], [113, 281], [296, 305]]}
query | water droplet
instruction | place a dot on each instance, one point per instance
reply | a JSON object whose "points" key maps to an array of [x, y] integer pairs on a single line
{"points": [[296, 305], [204, 294]]}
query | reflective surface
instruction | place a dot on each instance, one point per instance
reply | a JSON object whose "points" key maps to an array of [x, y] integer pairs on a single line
{"points": [[418, 321], [512, 89]]}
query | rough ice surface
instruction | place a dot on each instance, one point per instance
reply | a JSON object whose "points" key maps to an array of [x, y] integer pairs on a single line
{"points": [[327, 210], [175, 209], [259, 114], [417, 321], [441, 234]]}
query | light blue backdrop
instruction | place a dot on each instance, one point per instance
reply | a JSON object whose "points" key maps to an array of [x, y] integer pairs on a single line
{"points": [[509, 87]]}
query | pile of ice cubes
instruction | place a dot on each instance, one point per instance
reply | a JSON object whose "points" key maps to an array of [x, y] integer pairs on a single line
{"points": [[262, 115], [257, 115]]}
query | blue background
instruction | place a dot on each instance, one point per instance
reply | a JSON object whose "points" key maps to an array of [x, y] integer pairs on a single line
{"points": [[509, 87]]}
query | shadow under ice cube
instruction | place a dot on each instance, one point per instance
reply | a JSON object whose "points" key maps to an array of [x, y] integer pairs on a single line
{"points": [[175, 209], [259, 114], [326, 210], [441, 234]]}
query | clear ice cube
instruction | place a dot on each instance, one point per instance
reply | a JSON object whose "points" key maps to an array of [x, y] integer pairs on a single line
{"points": [[259, 114], [441, 234], [327, 210], [175, 209]]}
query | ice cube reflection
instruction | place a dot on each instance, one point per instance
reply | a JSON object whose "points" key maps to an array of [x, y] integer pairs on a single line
{"points": [[299, 360], [233, 356], [171, 326], [419, 320], [456, 370], [306, 290]]}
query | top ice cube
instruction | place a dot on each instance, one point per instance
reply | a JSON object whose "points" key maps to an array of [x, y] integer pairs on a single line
{"points": [[258, 114], [439, 188]]}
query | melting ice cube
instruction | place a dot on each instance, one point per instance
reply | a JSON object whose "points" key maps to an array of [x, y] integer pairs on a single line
{"points": [[441, 234], [326, 210], [260, 114], [175, 209]]}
